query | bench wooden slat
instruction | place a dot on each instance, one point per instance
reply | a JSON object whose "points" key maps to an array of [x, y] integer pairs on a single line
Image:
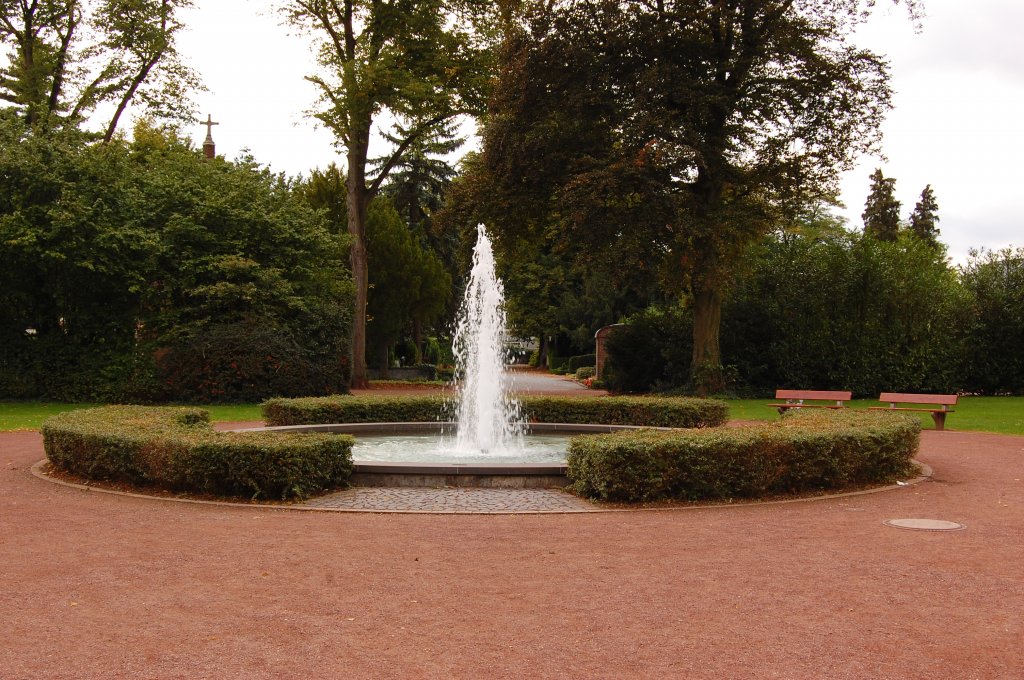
{"points": [[827, 395], [944, 401], [903, 398], [796, 399], [796, 405]]}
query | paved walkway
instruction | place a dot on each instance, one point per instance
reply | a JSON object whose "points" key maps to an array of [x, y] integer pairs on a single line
{"points": [[452, 500], [100, 586]]}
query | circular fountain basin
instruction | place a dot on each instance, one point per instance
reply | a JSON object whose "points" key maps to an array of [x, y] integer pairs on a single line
{"points": [[416, 454]]}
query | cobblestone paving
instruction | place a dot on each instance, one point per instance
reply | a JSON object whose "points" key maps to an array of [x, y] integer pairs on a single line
{"points": [[452, 500]]}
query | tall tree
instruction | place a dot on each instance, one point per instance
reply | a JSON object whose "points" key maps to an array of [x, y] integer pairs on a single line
{"points": [[408, 282], [424, 62], [418, 180], [924, 220], [677, 132], [68, 57], [882, 211]]}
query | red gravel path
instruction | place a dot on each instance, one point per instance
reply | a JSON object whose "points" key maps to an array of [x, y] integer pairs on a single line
{"points": [[98, 586]]}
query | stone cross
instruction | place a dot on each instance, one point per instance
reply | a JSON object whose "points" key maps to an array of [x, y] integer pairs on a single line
{"points": [[209, 150], [209, 128]]}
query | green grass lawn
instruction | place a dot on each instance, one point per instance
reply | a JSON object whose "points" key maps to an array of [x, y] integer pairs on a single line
{"points": [[29, 415], [977, 414]]}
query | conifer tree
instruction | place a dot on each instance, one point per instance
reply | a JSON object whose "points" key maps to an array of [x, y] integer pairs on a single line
{"points": [[419, 179], [925, 217], [882, 211]]}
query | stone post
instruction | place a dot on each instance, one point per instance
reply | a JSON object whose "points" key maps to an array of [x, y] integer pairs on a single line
{"points": [[600, 338]]}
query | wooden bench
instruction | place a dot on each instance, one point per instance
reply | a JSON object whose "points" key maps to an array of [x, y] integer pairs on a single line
{"points": [[940, 404], [797, 399]]}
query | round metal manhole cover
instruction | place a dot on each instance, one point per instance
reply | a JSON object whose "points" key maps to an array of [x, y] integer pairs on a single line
{"points": [[924, 524]]}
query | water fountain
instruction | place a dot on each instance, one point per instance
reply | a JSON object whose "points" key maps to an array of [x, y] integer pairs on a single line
{"points": [[489, 424], [488, 417], [489, 442]]}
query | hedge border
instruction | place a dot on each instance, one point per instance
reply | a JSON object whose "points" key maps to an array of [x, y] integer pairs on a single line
{"points": [[803, 452], [176, 448], [682, 412]]}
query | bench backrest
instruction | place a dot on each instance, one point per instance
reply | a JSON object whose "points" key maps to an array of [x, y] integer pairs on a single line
{"points": [[830, 395], [901, 398]]}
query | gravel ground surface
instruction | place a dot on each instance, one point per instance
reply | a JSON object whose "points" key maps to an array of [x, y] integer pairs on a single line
{"points": [[100, 586]]}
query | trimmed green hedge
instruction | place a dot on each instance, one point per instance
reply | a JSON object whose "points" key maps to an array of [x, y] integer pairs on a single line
{"points": [[651, 411], [175, 448], [584, 372], [803, 452], [349, 409], [577, 362]]}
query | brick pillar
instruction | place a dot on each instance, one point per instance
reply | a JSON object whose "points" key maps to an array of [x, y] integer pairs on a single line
{"points": [[600, 338]]}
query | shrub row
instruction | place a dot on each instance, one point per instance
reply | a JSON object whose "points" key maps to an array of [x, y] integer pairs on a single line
{"points": [[175, 448], [803, 452], [651, 411], [577, 362], [584, 372]]}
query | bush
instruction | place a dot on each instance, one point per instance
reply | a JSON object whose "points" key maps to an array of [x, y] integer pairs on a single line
{"points": [[577, 362], [557, 363], [995, 282], [175, 448], [651, 351], [246, 362], [585, 372], [116, 255], [651, 411], [432, 353], [350, 409], [802, 452], [847, 312]]}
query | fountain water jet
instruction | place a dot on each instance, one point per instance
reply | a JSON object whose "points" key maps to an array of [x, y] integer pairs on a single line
{"points": [[488, 420]]}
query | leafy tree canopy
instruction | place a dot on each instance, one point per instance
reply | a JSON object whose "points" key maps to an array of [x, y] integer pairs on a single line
{"points": [[675, 133], [422, 62], [67, 58]]}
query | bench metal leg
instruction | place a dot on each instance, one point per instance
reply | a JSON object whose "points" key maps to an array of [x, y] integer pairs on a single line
{"points": [[940, 419]]}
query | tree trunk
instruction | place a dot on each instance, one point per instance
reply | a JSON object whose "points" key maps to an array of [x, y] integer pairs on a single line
{"points": [[358, 207], [417, 338], [706, 366], [385, 363]]}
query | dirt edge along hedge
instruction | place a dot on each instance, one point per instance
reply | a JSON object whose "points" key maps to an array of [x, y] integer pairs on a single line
{"points": [[176, 448], [801, 453], [650, 411]]}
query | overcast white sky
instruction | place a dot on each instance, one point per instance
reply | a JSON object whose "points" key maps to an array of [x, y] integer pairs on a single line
{"points": [[959, 107]]}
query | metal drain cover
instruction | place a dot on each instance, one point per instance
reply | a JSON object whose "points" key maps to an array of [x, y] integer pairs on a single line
{"points": [[924, 524]]}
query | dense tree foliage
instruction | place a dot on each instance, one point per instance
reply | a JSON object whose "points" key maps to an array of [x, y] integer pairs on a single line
{"points": [[844, 311], [556, 292], [676, 133], [423, 62], [420, 179], [409, 285], [995, 351], [68, 57], [881, 210], [924, 220], [142, 271]]}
